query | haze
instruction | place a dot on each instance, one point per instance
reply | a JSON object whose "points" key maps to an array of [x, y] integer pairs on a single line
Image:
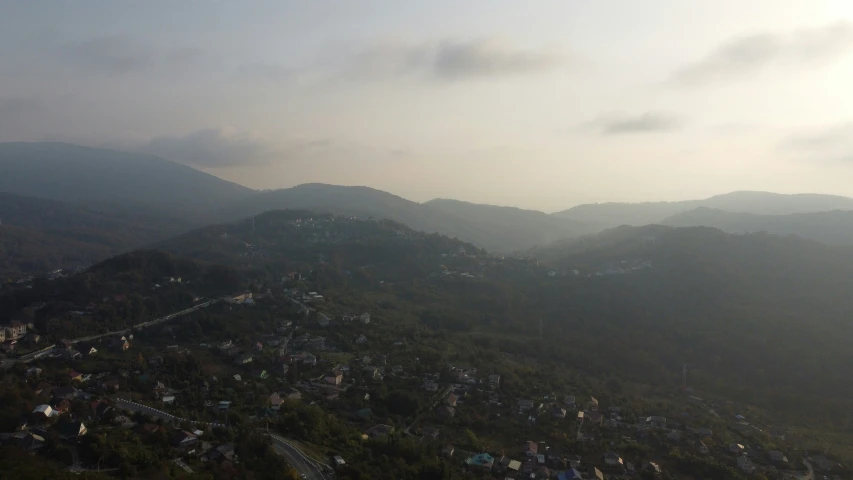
{"points": [[539, 105]]}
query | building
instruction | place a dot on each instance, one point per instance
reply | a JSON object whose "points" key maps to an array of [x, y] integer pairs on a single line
{"points": [[15, 330], [379, 430], [481, 461], [745, 464], [71, 430], [612, 459], [531, 448], [43, 412], [243, 359], [183, 439], [334, 378]]}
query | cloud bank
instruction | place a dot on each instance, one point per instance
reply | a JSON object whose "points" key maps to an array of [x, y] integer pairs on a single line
{"points": [[212, 147], [448, 60], [649, 122], [748, 54]]}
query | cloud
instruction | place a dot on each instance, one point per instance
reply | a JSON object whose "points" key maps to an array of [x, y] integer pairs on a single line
{"points": [[447, 60], [749, 54], [649, 122], [112, 54], [212, 147], [11, 107], [829, 142], [488, 58]]}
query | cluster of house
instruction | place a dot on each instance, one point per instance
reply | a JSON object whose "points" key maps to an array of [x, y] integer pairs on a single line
{"points": [[10, 333], [69, 350], [545, 463]]}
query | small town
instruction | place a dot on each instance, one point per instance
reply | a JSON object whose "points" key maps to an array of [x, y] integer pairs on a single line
{"points": [[185, 380]]}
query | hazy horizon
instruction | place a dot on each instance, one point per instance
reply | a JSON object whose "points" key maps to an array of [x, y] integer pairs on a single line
{"points": [[488, 102]]}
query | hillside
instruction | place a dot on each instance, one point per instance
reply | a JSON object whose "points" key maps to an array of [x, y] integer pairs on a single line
{"points": [[286, 240], [760, 203], [749, 312], [40, 235], [73, 173], [835, 227], [366, 202], [519, 228]]}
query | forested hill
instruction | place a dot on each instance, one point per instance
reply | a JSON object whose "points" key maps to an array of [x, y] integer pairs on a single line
{"points": [[38, 235], [750, 313], [283, 240], [834, 227]]}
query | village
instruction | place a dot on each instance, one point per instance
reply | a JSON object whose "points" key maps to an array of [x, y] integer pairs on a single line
{"points": [[338, 362]]}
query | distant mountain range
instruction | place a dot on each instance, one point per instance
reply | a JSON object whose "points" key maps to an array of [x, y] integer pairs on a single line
{"points": [[127, 199], [759, 203]]}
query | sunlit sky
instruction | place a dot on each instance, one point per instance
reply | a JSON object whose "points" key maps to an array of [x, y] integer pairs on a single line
{"points": [[542, 104]]}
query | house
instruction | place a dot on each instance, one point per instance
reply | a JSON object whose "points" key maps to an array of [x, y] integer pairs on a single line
{"points": [[119, 344], [531, 448], [34, 372], [558, 412], [379, 430], [2, 334], [445, 411], [317, 343], [15, 330], [595, 474], [183, 439], [43, 412], [593, 418], [64, 393], [592, 405], [735, 448], [451, 400], [701, 447], [168, 399], [429, 432], [8, 346], [334, 377], [652, 468], [42, 387], [275, 400], [612, 459], [703, 432], [75, 376], [572, 474], [674, 436], [100, 408], [777, 457], [222, 453], [293, 394], [745, 464], [822, 463], [574, 461], [525, 405], [159, 389], [71, 430], [361, 340], [656, 422], [448, 450], [339, 460], [481, 461], [111, 385], [364, 318], [29, 441], [243, 359]]}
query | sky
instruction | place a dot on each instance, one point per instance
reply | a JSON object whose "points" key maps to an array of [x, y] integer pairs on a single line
{"points": [[540, 105]]}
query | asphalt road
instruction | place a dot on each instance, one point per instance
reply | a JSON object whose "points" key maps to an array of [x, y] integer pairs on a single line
{"points": [[296, 460]]}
